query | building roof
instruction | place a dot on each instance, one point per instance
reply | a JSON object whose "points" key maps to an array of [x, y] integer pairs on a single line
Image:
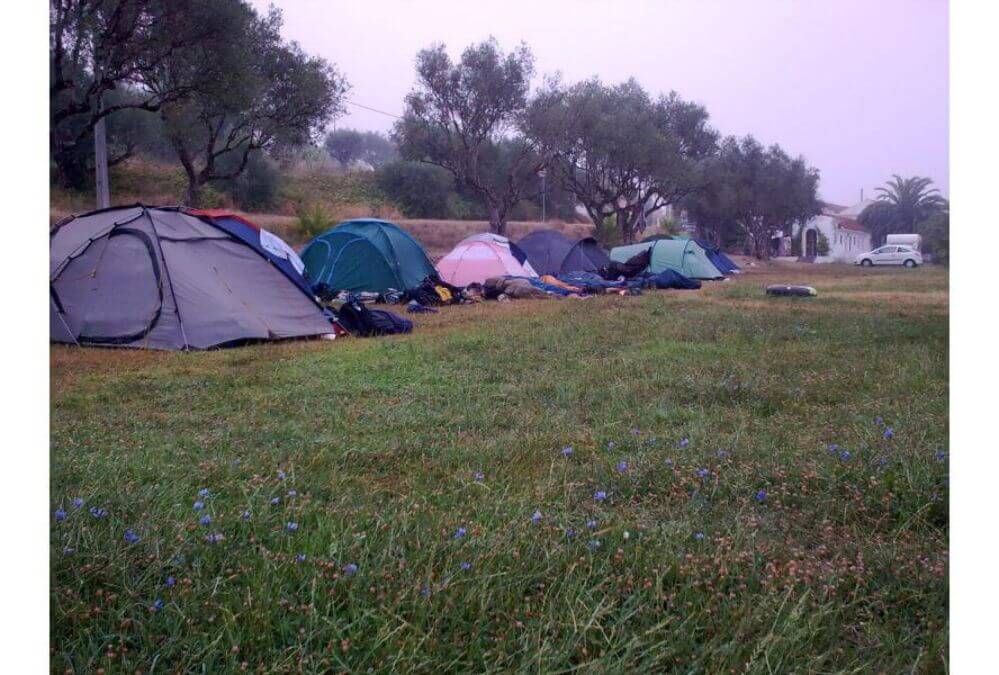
{"points": [[845, 223]]}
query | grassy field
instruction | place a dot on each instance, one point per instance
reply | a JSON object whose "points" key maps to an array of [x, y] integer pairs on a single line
{"points": [[733, 500]]}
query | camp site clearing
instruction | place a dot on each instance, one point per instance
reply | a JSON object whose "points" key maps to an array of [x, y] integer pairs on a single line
{"points": [[691, 481]]}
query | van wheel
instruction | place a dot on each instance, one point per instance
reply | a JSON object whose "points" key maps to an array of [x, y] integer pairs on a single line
{"points": [[910, 263], [866, 262]]}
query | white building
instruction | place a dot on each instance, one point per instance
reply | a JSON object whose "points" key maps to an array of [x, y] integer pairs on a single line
{"points": [[847, 238]]}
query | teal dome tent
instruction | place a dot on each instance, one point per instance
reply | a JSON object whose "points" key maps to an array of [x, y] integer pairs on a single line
{"points": [[366, 255], [680, 255]]}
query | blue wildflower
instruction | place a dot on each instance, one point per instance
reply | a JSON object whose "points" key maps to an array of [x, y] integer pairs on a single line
{"points": [[879, 421], [460, 532], [889, 434], [350, 569], [702, 473], [699, 536], [292, 493], [60, 515], [570, 533], [245, 515], [98, 513], [214, 537], [158, 605], [479, 476], [669, 463], [536, 517], [635, 431], [199, 505], [300, 558], [131, 537], [684, 442], [761, 496], [77, 503], [940, 455], [722, 454], [611, 445], [205, 519], [845, 455], [282, 475], [425, 592], [203, 492], [291, 526], [567, 451], [466, 566], [599, 496], [591, 524], [171, 582], [275, 501], [622, 467], [833, 448]]}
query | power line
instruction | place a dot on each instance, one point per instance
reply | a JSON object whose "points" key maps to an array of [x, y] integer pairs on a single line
{"points": [[380, 112]]}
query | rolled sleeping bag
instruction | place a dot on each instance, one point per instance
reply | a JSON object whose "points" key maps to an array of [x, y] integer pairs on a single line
{"points": [[791, 291]]}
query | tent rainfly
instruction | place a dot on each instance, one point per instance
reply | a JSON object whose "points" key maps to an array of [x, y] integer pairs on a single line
{"points": [[480, 256], [166, 278], [551, 252], [366, 255], [680, 255]]}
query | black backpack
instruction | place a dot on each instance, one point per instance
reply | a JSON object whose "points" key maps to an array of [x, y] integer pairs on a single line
{"points": [[357, 319]]}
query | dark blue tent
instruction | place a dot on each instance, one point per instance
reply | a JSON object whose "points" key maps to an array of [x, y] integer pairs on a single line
{"points": [[551, 252]]}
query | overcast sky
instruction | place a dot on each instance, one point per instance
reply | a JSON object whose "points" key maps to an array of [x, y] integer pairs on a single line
{"points": [[859, 87]]}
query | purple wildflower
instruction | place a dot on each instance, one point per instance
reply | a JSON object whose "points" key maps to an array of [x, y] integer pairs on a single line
{"points": [[889, 434], [536, 517], [599, 496], [275, 501], [282, 475], [205, 519], [722, 454], [245, 515], [203, 492], [845, 455], [567, 451], [131, 537], [570, 533], [702, 473], [833, 448], [669, 463], [622, 467], [300, 558], [479, 476], [158, 605], [635, 431], [291, 526], [940, 455], [292, 493], [214, 537], [611, 445], [684, 442], [171, 582], [761, 496], [591, 524], [350, 569], [698, 536], [98, 513], [879, 421], [460, 532], [60, 515], [199, 505], [466, 566], [77, 503]]}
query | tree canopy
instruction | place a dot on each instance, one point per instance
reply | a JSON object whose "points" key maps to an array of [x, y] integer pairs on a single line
{"points": [[348, 146], [761, 190], [620, 152], [465, 117]]}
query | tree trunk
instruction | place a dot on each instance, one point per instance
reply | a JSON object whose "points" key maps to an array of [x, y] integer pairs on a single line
{"points": [[193, 197], [497, 222]]}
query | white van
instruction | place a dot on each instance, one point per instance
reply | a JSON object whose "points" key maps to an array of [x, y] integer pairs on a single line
{"points": [[913, 241]]}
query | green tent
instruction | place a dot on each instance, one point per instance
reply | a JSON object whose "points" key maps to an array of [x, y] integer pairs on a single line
{"points": [[680, 255], [366, 255]]}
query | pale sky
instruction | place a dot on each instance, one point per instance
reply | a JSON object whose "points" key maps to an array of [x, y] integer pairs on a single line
{"points": [[859, 87]]}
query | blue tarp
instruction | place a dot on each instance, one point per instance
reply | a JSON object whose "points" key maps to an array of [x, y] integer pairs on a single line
{"points": [[671, 279]]}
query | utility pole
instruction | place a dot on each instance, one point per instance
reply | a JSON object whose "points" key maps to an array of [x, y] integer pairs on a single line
{"points": [[103, 189], [544, 217]]}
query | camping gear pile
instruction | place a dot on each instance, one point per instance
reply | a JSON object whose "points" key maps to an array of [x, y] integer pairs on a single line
{"points": [[180, 278]]}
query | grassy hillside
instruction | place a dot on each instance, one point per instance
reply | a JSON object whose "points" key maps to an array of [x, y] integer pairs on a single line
{"points": [[754, 485], [340, 195]]}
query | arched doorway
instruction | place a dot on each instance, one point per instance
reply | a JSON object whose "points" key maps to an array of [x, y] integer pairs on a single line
{"points": [[811, 243]]}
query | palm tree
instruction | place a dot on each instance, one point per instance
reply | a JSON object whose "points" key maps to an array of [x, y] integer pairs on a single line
{"points": [[901, 206]]}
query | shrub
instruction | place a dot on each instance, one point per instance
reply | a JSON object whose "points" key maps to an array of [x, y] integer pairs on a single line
{"points": [[419, 190], [258, 187], [822, 245], [313, 219]]}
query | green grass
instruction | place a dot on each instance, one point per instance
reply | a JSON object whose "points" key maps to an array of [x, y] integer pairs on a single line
{"points": [[842, 568]]}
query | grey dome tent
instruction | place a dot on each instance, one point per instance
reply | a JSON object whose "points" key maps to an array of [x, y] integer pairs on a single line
{"points": [[163, 278], [551, 252]]}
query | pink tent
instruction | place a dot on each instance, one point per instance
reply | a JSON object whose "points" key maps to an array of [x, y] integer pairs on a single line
{"points": [[477, 258]]}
